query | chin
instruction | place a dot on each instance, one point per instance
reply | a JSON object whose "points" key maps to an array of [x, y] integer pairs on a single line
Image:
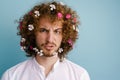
{"points": [[50, 54]]}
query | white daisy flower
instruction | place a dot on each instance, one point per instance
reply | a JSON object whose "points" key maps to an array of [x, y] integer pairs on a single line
{"points": [[23, 39], [30, 27], [52, 7], [73, 27], [37, 14]]}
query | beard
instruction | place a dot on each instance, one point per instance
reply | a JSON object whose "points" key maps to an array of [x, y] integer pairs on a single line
{"points": [[50, 55], [49, 49]]}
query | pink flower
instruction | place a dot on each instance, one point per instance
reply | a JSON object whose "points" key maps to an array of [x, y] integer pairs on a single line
{"points": [[68, 16], [59, 14], [30, 13], [31, 47], [20, 26], [70, 42], [74, 20], [21, 43]]}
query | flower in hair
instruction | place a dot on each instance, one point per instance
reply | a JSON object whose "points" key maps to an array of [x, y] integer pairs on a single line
{"points": [[68, 16], [30, 27], [21, 43], [31, 47], [70, 42], [52, 7], [74, 20], [20, 26], [23, 48], [60, 50], [35, 49], [40, 53], [37, 14], [77, 29], [74, 28], [30, 13], [59, 15], [23, 39]]}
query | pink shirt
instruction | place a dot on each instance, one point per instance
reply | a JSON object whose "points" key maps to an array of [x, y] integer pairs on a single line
{"points": [[31, 70]]}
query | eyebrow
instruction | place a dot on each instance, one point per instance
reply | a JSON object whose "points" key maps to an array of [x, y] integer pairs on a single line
{"points": [[54, 29], [58, 29]]}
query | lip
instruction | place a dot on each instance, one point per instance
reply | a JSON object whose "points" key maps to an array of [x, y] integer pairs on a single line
{"points": [[49, 47]]}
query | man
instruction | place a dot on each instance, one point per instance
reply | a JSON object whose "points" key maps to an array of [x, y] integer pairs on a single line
{"points": [[48, 33]]}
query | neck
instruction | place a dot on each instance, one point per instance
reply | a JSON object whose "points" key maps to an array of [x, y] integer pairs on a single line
{"points": [[42, 60], [47, 62]]}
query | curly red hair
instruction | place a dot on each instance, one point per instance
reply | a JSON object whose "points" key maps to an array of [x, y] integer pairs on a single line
{"points": [[67, 16]]}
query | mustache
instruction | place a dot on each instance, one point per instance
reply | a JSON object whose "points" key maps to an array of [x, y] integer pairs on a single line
{"points": [[51, 43]]}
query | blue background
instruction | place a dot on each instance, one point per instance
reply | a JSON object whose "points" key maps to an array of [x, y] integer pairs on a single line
{"points": [[98, 46]]}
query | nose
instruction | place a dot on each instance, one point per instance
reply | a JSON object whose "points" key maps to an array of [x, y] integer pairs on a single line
{"points": [[50, 37]]}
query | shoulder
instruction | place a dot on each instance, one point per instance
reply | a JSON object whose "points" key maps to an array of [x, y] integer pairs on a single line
{"points": [[74, 65], [20, 65], [16, 69], [77, 70]]}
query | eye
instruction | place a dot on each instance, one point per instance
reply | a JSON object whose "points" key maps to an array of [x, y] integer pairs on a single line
{"points": [[43, 30], [58, 31]]}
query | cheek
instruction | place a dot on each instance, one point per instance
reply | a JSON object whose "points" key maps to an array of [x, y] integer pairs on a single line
{"points": [[40, 39], [59, 39]]}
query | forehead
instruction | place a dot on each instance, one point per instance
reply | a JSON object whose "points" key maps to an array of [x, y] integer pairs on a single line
{"points": [[45, 22]]}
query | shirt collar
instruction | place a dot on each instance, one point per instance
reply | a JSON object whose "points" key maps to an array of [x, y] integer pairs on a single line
{"points": [[37, 66]]}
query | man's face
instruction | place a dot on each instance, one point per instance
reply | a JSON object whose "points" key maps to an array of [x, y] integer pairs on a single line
{"points": [[48, 36]]}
